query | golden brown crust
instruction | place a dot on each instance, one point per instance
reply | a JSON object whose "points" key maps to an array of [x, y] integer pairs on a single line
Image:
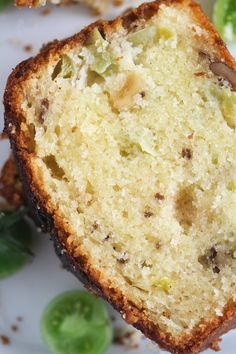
{"points": [[49, 218]]}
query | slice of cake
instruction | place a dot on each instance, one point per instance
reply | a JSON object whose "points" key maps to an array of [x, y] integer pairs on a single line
{"points": [[125, 139]]}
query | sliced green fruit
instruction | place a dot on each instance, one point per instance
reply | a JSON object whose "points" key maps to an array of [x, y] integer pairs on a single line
{"points": [[143, 36], [65, 68], [227, 99], [95, 38], [163, 284], [148, 35], [229, 109], [99, 49], [165, 33], [15, 240], [76, 322], [224, 17]]}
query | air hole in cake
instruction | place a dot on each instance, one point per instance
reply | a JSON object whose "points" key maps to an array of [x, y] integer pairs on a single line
{"points": [[43, 109], [215, 159], [216, 258], [51, 163], [57, 130], [89, 188], [116, 188], [79, 210], [30, 137], [184, 207], [125, 214], [117, 247], [94, 78], [124, 153]]}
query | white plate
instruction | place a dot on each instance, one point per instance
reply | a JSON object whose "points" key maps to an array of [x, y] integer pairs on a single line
{"points": [[27, 293]]}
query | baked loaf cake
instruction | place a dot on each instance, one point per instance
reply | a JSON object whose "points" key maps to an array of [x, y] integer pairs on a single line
{"points": [[125, 139]]}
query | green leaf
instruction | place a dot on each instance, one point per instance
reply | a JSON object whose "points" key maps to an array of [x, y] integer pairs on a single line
{"points": [[4, 3], [99, 49], [224, 17], [15, 242], [9, 218], [65, 68]]}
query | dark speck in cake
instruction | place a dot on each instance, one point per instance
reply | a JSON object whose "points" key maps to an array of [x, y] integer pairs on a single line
{"points": [[187, 154], [28, 48]]}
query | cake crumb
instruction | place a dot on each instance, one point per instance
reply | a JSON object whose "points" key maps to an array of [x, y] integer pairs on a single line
{"points": [[19, 318], [118, 2], [28, 48], [215, 345], [127, 337], [4, 340], [10, 185], [3, 136], [14, 328], [45, 12], [190, 136]]}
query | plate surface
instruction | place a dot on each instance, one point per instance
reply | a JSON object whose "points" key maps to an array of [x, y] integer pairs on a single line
{"points": [[22, 33]]}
